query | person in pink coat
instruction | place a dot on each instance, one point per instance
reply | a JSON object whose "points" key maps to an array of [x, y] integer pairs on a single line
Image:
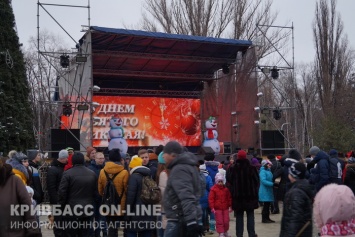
{"points": [[220, 202], [334, 211]]}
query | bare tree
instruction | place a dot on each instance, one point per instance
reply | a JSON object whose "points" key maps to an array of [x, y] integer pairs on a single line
{"points": [[333, 58], [41, 76]]}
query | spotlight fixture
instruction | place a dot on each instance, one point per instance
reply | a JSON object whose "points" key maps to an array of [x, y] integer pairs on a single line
{"points": [[257, 109], [95, 104], [96, 88], [277, 114], [265, 70], [274, 72], [80, 58], [233, 113], [82, 107], [64, 60], [235, 125], [257, 122], [67, 109], [259, 94], [225, 68]]}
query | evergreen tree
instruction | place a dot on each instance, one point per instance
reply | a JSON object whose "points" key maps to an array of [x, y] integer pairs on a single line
{"points": [[16, 117]]}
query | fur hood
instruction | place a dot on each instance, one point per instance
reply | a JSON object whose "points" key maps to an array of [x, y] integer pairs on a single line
{"points": [[16, 165]]}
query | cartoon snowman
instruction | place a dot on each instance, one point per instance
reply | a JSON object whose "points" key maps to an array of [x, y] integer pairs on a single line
{"points": [[116, 136], [211, 135]]}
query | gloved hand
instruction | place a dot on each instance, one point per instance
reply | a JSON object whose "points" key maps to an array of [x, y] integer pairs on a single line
{"points": [[195, 230], [213, 210]]}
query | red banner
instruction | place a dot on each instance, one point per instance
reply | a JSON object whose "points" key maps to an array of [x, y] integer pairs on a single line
{"points": [[148, 121]]}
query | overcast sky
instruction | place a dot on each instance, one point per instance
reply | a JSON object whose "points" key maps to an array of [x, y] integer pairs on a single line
{"points": [[119, 13]]}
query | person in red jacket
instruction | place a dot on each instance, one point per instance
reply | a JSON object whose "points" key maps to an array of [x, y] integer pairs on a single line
{"points": [[220, 202]]}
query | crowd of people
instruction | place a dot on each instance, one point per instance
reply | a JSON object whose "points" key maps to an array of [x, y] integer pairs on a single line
{"points": [[198, 195]]}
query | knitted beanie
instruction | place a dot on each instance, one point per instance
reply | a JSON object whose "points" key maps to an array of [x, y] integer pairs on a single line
{"points": [[241, 154], [160, 158], [135, 161]]}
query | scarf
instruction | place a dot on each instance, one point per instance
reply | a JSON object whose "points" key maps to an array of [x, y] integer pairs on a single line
{"points": [[342, 228]]}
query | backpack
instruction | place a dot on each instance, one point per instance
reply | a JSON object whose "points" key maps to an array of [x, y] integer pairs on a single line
{"points": [[110, 196], [150, 193], [203, 184]]}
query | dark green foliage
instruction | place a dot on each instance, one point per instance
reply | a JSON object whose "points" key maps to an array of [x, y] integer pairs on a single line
{"points": [[16, 130], [333, 132]]}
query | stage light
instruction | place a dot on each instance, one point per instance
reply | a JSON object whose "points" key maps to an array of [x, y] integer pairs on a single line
{"points": [[67, 109], [233, 113], [96, 88], [257, 109], [225, 68], [265, 70], [80, 58], [95, 104], [235, 125], [275, 72], [260, 94], [277, 114], [82, 107], [64, 61], [257, 122]]}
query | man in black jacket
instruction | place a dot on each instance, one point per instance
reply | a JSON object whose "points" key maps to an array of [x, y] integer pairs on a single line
{"points": [[76, 193], [182, 193], [34, 158], [297, 213], [54, 175]]}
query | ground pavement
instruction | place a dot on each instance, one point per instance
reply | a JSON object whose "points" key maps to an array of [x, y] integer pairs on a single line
{"points": [[263, 230]]}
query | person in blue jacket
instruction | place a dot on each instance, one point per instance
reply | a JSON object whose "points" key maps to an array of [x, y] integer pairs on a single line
{"points": [[204, 197], [320, 173], [266, 194]]}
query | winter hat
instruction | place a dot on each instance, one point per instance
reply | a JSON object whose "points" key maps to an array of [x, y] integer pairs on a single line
{"points": [[297, 170], [173, 147], [314, 150], [294, 154], [63, 154], [135, 161], [265, 162], [341, 200], [32, 154], [333, 153], [69, 149], [114, 155], [209, 157], [11, 153], [30, 190], [152, 156], [351, 160], [19, 156], [241, 154], [202, 167], [218, 177], [89, 149], [160, 158], [78, 158]]}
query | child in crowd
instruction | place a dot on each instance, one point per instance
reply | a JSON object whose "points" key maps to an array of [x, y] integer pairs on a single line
{"points": [[334, 211], [220, 202], [33, 202]]}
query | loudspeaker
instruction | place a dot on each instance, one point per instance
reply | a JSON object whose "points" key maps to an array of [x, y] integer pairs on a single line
{"points": [[206, 150], [227, 147], [63, 138], [272, 142]]}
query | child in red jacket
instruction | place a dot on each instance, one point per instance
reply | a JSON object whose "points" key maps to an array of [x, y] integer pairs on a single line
{"points": [[220, 202]]}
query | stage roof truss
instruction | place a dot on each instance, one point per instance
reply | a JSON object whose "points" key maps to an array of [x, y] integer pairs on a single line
{"points": [[153, 56]]}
